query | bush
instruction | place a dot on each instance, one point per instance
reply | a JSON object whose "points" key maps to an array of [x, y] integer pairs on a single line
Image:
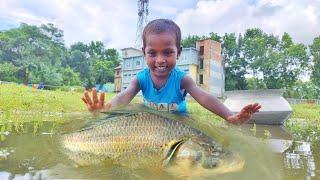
{"points": [[303, 90]]}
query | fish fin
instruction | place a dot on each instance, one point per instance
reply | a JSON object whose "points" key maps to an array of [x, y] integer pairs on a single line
{"points": [[111, 114], [103, 120], [172, 147]]}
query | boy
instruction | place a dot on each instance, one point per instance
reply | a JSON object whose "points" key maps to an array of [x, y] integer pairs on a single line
{"points": [[164, 84]]}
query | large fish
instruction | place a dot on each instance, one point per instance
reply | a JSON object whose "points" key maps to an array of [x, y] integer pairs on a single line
{"points": [[151, 138]]}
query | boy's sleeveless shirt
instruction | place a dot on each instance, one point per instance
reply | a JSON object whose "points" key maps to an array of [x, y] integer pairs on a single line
{"points": [[169, 97]]}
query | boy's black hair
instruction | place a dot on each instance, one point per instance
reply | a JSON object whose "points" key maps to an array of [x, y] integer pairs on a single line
{"points": [[158, 26]]}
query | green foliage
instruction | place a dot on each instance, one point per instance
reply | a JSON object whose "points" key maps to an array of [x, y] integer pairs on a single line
{"points": [[274, 63], [304, 122], [304, 90], [190, 41], [215, 37], [315, 52], [235, 66], [254, 83], [103, 71], [32, 54], [70, 78], [8, 72]]}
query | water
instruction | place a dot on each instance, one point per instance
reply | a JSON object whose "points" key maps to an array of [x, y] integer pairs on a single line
{"points": [[269, 153]]}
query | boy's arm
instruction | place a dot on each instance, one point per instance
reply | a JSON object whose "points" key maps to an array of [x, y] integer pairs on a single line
{"points": [[125, 97], [213, 104], [97, 104], [204, 98]]}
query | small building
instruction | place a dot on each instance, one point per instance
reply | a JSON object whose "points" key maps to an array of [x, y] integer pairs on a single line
{"points": [[211, 67], [204, 64], [117, 79]]}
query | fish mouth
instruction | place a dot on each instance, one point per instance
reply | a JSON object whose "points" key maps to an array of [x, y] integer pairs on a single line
{"points": [[231, 163]]}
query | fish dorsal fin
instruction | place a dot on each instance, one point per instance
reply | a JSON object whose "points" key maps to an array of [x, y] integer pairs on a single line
{"points": [[171, 150]]}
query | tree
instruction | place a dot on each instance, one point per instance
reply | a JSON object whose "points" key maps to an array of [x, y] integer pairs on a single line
{"points": [[69, 77], [215, 37], [8, 72], [277, 63], [78, 61], [315, 52], [93, 60], [235, 66], [190, 41], [32, 50], [103, 71]]}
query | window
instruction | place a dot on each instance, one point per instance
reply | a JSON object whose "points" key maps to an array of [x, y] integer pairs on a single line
{"points": [[201, 63], [138, 63], [201, 79], [201, 50]]}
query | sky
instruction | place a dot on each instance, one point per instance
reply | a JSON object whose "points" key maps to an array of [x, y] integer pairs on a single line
{"points": [[115, 22]]}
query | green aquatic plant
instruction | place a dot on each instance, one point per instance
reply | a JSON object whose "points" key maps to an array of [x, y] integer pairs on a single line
{"points": [[267, 134], [254, 129]]}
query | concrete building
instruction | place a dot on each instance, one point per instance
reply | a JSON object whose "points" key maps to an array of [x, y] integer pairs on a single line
{"points": [[204, 64]]}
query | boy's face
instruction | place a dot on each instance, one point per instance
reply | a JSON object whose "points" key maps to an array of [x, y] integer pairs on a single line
{"points": [[161, 53]]}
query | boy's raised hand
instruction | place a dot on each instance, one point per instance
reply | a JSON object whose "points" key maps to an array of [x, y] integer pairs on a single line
{"points": [[245, 114], [95, 104]]}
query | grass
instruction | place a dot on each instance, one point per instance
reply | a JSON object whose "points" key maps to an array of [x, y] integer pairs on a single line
{"points": [[306, 112], [20, 104]]}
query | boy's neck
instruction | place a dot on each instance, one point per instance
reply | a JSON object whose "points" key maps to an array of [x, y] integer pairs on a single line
{"points": [[159, 82]]}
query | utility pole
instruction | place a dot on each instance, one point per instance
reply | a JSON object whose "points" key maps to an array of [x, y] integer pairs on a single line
{"points": [[143, 12]]}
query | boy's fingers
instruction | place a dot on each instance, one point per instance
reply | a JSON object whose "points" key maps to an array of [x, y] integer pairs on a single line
{"points": [[87, 97], [257, 108], [84, 100], [101, 100], [247, 108], [94, 96]]}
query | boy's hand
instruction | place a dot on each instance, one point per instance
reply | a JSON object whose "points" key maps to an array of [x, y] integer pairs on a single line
{"points": [[95, 104], [245, 114]]}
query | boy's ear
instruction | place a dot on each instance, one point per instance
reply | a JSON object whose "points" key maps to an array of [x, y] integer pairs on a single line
{"points": [[143, 51]]}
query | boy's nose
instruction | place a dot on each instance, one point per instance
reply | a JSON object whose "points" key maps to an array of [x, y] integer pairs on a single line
{"points": [[160, 59]]}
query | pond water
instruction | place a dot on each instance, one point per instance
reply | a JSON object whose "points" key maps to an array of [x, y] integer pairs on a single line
{"points": [[269, 153]]}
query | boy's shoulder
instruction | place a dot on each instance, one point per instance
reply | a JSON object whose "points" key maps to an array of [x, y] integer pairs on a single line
{"points": [[142, 75], [143, 71], [179, 72], [177, 69]]}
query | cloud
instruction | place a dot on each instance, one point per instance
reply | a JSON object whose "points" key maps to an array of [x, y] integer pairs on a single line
{"points": [[114, 22], [301, 19]]}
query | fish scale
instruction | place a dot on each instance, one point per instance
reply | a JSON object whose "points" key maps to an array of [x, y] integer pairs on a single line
{"points": [[125, 135]]}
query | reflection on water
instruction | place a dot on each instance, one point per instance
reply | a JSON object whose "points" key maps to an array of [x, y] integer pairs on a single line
{"points": [[269, 153], [299, 157]]}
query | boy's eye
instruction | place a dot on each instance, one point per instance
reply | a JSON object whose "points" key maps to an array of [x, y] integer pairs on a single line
{"points": [[151, 54], [168, 52]]}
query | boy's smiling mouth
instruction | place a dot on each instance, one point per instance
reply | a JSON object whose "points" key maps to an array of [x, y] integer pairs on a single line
{"points": [[161, 68]]}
